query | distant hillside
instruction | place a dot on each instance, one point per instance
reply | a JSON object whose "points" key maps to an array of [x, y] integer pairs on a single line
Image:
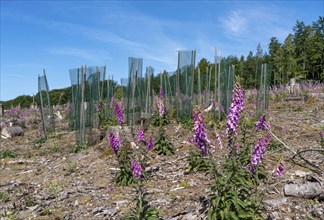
{"points": [[57, 96]]}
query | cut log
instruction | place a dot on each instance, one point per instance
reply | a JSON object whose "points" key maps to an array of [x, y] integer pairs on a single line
{"points": [[308, 190], [11, 132]]}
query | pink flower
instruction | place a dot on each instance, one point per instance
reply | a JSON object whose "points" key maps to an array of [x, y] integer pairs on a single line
{"points": [[114, 142], [258, 152], [280, 169], [200, 137], [161, 93], [236, 107], [119, 112], [160, 105], [136, 169], [150, 143], [140, 135], [219, 142], [261, 123]]}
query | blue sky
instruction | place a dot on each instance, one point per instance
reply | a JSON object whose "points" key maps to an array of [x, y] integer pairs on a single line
{"points": [[58, 36]]}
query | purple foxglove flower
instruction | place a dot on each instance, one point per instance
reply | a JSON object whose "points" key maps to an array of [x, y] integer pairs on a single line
{"points": [[161, 108], [261, 123], [161, 93], [114, 142], [235, 109], [150, 143], [200, 137], [280, 169], [258, 152], [136, 169], [119, 112], [219, 142], [160, 105], [140, 135]]}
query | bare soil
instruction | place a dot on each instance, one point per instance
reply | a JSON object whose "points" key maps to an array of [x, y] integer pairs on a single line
{"points": [[50, 182]]}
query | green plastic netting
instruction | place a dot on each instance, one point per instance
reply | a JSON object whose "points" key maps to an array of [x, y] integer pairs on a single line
{"points": [[184, 84], [87, 91], [226, 79], [263, 82], [148, 84], [135, 91], [47, 114], [168, 82], [202, 88]]}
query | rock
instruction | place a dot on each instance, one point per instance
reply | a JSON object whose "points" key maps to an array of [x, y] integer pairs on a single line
{"points": [[190, 216], [11, 132], [97, 210], [119, 202], [109, 212], [276, 202], [104, 211], [63, 196]]}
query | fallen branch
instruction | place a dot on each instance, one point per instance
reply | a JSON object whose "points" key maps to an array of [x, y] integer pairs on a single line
{"points": [[296, 153]]}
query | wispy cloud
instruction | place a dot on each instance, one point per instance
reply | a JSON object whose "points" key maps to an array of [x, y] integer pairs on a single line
{"points": [[256, 23], [235, 23], [97, 56]]}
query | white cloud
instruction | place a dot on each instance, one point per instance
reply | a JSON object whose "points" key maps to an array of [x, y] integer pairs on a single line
{"points": [[256, 23], [235, 23]]}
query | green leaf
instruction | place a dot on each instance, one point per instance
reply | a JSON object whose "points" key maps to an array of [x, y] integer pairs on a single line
{"points": [[245, 215], [233, 215]]}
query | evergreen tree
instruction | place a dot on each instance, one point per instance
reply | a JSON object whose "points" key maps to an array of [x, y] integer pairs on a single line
{"points": [[290, 64], [276, 58]]}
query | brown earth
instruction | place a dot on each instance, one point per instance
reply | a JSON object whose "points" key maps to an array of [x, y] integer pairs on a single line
{"points": [[50, 182]]}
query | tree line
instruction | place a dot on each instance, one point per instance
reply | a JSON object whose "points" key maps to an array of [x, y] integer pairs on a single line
{"points": [[300, 56]]}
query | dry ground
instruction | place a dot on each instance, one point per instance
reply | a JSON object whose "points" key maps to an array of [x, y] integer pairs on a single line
{"points": [[50, 182]]}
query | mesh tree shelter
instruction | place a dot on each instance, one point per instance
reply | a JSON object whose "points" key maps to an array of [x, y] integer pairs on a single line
{"points": [[148, 86], [135, 89], [108, 91], [184, 84], [225, 86], [48, 121], [87, 85], [202, 90], [263, 82], [168, 82]]}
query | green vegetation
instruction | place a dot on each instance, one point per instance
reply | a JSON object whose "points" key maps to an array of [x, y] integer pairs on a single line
{"points": [[78, 148], [7, 153], [163, 145], [196, 162]]}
